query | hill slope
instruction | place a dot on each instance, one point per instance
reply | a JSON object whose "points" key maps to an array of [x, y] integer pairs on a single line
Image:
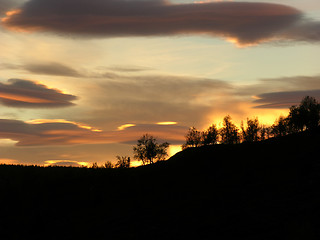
{"points": [[249, 191]]}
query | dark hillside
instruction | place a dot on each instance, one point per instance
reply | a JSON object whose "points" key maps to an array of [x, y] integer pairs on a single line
{"points": [[263, 190]]}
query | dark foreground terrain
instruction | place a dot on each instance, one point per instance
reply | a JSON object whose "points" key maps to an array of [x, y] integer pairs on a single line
{"points": [[265, 190]]}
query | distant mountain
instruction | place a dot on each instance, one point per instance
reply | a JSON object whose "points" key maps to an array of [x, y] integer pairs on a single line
{"points": [[263, 190]]}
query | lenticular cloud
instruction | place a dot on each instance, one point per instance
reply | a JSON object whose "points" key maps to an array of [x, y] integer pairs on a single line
{"points": [[241, 22]]}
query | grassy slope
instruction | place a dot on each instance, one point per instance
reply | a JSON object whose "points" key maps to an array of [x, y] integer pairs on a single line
{"points": [[248, 191]]}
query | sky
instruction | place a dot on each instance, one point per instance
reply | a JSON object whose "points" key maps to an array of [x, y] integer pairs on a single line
{"points": [[81, 81]]}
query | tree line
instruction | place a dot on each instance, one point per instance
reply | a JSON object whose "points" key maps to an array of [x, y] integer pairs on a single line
{"points": [[305, 116]]}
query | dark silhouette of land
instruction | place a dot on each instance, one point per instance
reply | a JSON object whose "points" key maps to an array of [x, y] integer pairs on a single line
{"points": [[260, 190]]}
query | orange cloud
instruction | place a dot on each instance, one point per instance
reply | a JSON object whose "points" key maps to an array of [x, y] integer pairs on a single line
{"points": [[10, 14], [26, 93]]}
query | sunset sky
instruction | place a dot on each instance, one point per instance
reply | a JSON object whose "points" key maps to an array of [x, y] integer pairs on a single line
{"points": [[81, 81]]}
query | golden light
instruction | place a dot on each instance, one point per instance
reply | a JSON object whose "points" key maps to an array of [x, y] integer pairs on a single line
{"points": [[17, 97], [135, 163], [49, 87], [8, 161], [50, 162], [123, 127], [173, 149], [80, 125], [167, 123], [265, 116], [236, 42], [7, 142], [256, 97]]}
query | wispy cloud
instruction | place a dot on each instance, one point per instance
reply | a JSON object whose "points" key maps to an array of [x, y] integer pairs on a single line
{"points": [[53, 68], [283, 99], [30, 94], [155, 98], [46, 132], [244, 23]]}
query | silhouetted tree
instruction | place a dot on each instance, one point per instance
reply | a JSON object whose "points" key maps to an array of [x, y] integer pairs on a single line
{"points": [[251, 132], [210, 136], [123, 162], [149, 151], [265, 132], [229, 132], [94, 165], [193, 138], [108, 164], [304, 116], [280, 127]]}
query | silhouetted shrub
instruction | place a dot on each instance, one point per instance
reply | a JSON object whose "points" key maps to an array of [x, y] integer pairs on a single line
{"points": [[123, 162], [149, 151], [108, 164]]}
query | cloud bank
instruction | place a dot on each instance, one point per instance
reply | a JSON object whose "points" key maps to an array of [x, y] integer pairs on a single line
{"points": [[29, 94], [244, 23]]}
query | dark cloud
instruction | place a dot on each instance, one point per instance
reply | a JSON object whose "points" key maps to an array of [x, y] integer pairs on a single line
{"points": [[29, 94], [6, 5], [53, 68], [242, 22], [56, 69], [283, 99], [44, 132]]}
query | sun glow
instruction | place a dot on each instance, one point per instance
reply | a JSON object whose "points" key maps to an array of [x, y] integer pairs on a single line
{"points": [[135, 163], [173, 149]]}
